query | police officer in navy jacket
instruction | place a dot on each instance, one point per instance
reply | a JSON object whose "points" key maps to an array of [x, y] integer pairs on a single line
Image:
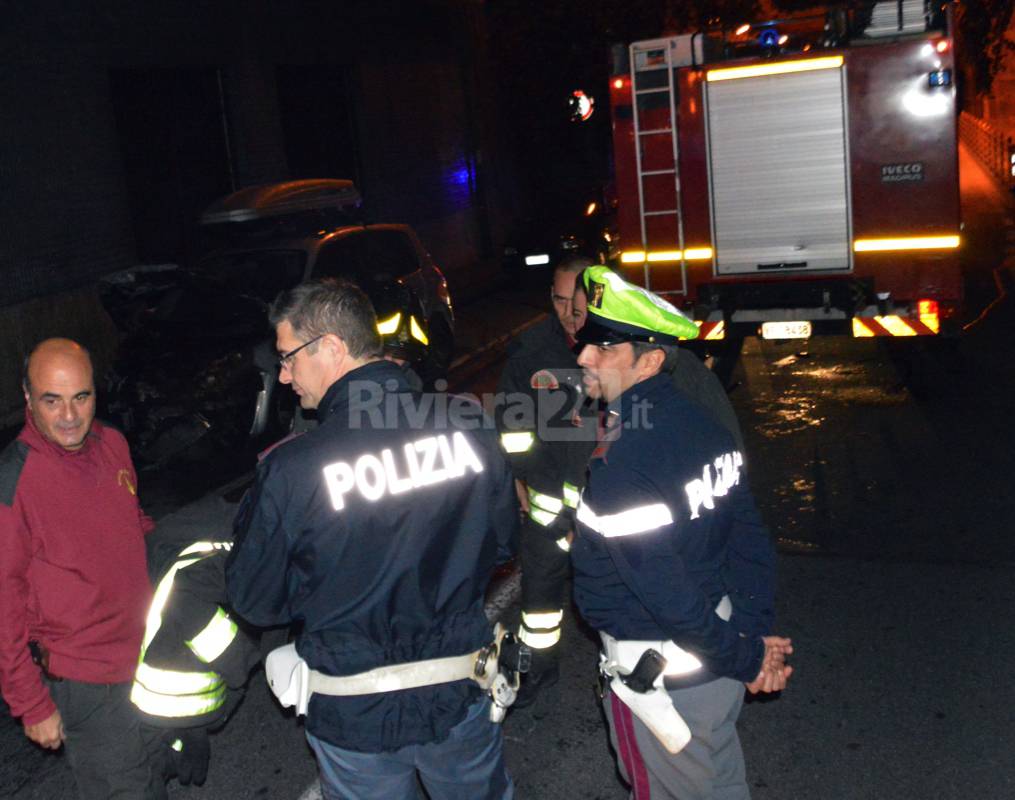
{"points": [[670, 557], [376, 534]]}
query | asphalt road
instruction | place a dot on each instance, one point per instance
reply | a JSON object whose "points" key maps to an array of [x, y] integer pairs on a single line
{"points": [[893, 514]]}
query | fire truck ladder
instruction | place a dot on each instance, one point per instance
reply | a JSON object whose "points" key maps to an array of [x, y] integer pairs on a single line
{"points": [[652, 56]]}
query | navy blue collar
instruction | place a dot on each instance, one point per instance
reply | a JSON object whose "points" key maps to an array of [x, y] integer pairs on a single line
{"points": [[387, 374], [638, 395]]}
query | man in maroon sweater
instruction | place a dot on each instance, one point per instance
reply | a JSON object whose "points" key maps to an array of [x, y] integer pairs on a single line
{"points": [[74, 589]]}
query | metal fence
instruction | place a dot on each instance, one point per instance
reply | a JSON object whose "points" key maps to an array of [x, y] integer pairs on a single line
{"points": [[996, 151]]}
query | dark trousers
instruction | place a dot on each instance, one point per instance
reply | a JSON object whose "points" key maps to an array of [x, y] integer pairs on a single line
{"points": [[467, 765], [545, 567], [105, 745]]}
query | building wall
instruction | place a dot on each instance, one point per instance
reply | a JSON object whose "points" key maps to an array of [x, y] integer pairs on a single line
{"points": [[999, 105], [67, 215]]}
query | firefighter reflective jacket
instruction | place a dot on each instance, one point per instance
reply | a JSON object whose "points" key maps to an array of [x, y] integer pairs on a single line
{"points": [[192, 652], [667, 527], [546, 422], [377, 533]]}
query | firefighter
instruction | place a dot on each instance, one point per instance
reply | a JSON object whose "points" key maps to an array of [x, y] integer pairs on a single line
{"points": [[548, 431], [672, 564], [378, 532], [402, 326], [194, 659]]}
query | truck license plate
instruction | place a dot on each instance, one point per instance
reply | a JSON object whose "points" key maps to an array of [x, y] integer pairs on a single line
{"points": [[786, 330]]}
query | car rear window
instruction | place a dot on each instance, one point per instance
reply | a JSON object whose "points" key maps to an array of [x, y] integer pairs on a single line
{"points": [[390, 254]]}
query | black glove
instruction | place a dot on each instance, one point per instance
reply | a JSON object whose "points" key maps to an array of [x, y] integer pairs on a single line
{"points": [[191, 760]]}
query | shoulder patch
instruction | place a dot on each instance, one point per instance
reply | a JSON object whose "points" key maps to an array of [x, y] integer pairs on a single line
{"points": [[544, 379], [12, 461]]}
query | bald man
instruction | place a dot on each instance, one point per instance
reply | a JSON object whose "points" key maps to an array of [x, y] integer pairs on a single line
{"points": [[74, 589]]}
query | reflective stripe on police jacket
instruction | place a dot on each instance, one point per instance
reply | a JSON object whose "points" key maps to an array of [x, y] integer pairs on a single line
{"points": [[630, 521]]}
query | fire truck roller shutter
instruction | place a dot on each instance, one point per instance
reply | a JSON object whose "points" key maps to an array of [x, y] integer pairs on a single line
{"points": [[778, 170]]}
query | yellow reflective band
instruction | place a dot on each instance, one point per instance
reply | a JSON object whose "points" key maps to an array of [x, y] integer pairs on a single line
{"points": [[217, 635], [390, 325], [170, 681], [542, 620], [544, 518], [639, 519], [175, 706], [564, 544], [571, 495], [417, 331], [697, 253], [541, 629], [177, 745], [543, 508], [154, 620], [545, 501], [664, 255], [190, 555], [656, 256], [781, 68], [539, 641], [517, 442], [906, 243]]}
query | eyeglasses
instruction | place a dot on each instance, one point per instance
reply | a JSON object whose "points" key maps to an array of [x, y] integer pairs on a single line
{"points": [[286, 359]]}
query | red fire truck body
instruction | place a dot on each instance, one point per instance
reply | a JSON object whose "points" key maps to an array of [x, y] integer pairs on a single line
{"points": [[793, 193]]}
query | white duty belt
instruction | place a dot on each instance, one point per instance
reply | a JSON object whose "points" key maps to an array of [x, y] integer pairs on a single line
{"points": [[293, 681], [654, 708], [621, 655]]}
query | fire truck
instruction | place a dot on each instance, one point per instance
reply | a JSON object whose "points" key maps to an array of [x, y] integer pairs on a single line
{"points": [[794, 178]]}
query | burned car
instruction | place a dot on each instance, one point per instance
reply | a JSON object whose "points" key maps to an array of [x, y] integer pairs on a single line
{"points": [[197, 366]]}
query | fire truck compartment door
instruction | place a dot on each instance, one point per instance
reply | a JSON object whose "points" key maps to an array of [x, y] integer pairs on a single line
{"points": [[777, 167]]}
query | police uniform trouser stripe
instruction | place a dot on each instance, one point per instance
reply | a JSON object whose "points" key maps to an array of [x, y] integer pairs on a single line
{"points": [[517, 441], [217, 635], [541, 629], [638, 519]]}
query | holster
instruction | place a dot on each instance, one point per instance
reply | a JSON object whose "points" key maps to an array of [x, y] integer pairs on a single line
{"points": [[289, 677], [655, 709]]}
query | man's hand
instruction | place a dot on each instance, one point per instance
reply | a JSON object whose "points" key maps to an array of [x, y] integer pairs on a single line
{"points": [[48, 733], [775, 673]]}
